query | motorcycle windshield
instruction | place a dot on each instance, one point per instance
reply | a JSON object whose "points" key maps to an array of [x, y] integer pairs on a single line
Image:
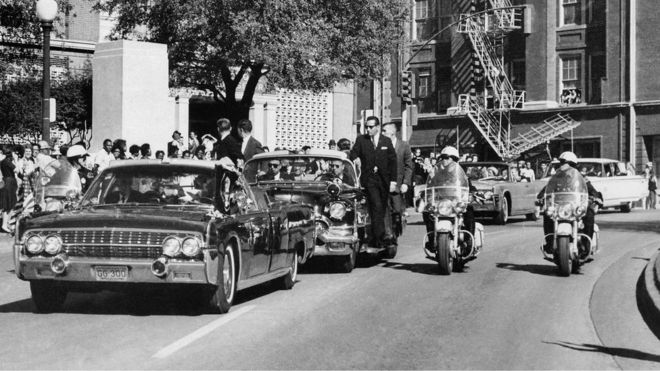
{"points": [[448, 183], [56, 179], [567, 186]]}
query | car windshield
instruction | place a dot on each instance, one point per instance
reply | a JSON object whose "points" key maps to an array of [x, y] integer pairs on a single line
{"points": [[300, 169], [477, 171], [152, 184]]}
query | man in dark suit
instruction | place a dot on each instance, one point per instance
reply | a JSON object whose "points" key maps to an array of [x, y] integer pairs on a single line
{"points": [[249, 146], [337, 172], [275, 172], [404, 166], [377, 160], [227, 146]]}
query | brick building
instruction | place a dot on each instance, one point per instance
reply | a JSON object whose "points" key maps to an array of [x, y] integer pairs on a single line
{"points": [[592, 60]]}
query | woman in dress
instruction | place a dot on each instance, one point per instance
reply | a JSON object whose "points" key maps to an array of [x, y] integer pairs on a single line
{"points": [[8, 192]]}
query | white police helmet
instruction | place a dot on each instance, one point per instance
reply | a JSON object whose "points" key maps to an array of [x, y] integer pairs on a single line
{"points": [[569, 157], [75, 151], [451, 152]]}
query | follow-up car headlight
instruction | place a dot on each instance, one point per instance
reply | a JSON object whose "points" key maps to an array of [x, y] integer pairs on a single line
{"points": [[171, 246], [34, 244], [53, 244], [191, 247], [565, 211], [337, 210]]}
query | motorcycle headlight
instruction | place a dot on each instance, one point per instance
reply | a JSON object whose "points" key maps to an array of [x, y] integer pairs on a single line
{"points": [[565, 211], [171, 246], [191, 247], [445, 208], [550, 210], [53, 244], [34, 244], [337, 210]]}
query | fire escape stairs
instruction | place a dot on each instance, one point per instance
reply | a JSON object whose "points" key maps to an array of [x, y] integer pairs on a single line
{"points": [[494, 124]]}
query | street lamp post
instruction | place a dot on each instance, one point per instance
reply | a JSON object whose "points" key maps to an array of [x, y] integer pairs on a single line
{"points": [[46, 12]]}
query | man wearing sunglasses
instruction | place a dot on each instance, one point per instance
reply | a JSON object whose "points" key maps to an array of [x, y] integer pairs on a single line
{"points": [[275, 172], [337, 172], [378, 175]]}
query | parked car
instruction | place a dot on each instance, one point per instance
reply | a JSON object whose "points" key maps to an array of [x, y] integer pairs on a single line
{"points": [[195, 227], [611, 178], [327, 181], [500, 191]]}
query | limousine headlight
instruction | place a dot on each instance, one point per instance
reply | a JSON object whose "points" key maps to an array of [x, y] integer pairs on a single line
{"points": [[171, 246], [53, 244], [191, 247], [34, 244]]}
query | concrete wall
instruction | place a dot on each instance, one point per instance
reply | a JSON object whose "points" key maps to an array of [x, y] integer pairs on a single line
{"points": [[648, 50], [130, 97], [343, 99]]}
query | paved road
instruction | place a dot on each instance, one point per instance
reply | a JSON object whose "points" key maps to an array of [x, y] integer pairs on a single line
{"points": [[508, 310]]}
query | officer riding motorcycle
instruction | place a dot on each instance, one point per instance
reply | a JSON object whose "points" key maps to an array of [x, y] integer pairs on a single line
{"points": [[448, 216], [570, 204]]}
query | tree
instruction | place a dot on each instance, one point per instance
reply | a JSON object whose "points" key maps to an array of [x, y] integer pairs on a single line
{"points": [[226, 46], [20, 106]]}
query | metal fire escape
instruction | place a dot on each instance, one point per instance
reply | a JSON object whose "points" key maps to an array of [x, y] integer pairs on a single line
{"points": [[493, 120]]}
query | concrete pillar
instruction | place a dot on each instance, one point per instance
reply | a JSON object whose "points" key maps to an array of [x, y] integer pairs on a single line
{"points": [[130, 94], [182, 117], [343, 103]]}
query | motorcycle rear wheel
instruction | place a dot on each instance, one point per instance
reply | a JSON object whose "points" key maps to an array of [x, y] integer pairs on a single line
{"points": [[443, 253], [564, 261]]}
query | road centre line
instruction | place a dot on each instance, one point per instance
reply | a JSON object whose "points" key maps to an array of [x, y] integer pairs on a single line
{"points": [[201, 332]]}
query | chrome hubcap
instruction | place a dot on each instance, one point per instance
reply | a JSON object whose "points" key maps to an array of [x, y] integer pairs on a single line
{"points": [[227, 275]]}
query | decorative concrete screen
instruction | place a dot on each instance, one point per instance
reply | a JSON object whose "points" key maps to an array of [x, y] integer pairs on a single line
{"points": [[303, 119]]}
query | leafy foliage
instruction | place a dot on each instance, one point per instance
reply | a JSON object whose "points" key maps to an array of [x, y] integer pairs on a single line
{"points": [[220, 45], [20, 106]]}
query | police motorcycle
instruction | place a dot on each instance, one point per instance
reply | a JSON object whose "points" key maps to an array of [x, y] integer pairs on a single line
{"points": [[566, 201], [56, 187], [445, 203]]}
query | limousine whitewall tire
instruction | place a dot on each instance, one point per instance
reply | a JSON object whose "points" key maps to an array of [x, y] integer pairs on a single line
{"points": [[47, 296], [289, 279], [224, 294]]}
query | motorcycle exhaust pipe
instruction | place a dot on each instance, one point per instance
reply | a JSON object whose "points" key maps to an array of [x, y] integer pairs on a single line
{"points": [[159, 267]]}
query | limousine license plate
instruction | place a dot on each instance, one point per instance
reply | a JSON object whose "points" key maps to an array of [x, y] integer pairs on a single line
{"points": [[111, 273]]}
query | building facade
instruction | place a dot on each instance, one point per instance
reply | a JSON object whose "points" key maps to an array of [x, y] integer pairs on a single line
{"points": [[592, 60]]}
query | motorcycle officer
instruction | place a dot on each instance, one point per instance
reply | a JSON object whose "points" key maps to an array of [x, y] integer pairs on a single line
{"points": [[569, 159], [448, 158]]}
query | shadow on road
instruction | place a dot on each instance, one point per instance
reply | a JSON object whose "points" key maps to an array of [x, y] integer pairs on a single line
{"points": [[646, 306], [616, 352], [139, 304], [542, 269], [423, 268]]}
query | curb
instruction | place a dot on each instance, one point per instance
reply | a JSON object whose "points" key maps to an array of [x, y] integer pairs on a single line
{"points": [[649, 295]]}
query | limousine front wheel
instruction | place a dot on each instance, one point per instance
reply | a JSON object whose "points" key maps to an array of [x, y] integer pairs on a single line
{"points": [[226, 290]]}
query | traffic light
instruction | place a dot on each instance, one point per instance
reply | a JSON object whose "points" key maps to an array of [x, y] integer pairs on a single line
{"points": [[406, 86]]}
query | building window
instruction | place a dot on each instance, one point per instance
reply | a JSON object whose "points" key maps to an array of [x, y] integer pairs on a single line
{"points": [[423, 80], [571, 84], [571, 12], [425, 22], [421, 9], [518, 74]]}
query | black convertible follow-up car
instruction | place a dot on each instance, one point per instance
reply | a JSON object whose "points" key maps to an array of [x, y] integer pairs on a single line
{"points": [[192, 225]]}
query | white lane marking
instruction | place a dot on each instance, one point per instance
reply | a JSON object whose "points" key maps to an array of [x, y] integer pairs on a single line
{"points": [[201, 332]]}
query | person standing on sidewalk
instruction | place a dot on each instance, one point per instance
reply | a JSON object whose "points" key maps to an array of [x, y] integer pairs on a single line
{"points": [[653, 186]]}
